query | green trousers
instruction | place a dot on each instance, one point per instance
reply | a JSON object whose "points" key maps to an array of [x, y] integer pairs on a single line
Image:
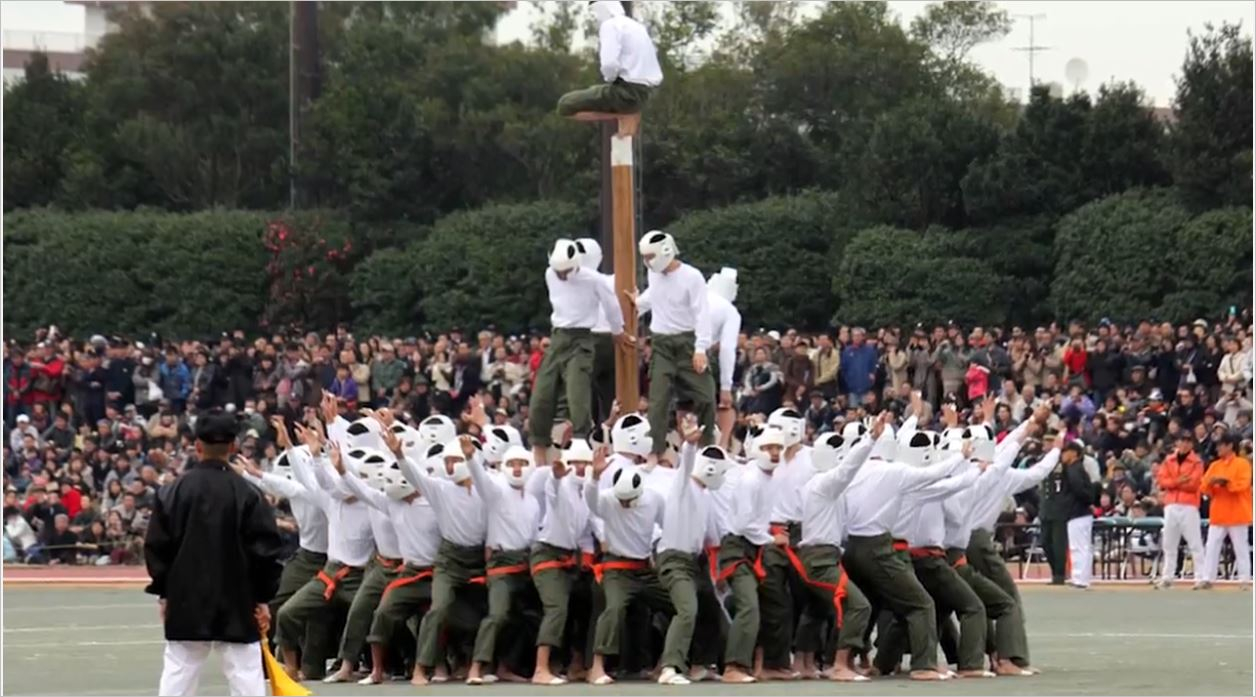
{"points": [[1005, 630], [404, 597], [568, 363], [672, 375], [616, 97], [779, 605], [689, 589], [621, 588], [554, 586], [455, 567], [603, 376], [297, 572], [987, 562], [1055, 545], [362, 611], [878, 570], [312, 604], [504, 592], [738, 554], [951, 594], [824, 573]]}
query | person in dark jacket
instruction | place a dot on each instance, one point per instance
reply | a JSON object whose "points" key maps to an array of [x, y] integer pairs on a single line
{"points": [[1078, 501], [212, 551]]}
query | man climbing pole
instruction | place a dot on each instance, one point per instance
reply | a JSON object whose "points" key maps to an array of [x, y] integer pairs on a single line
{"points": [[629, 63]]}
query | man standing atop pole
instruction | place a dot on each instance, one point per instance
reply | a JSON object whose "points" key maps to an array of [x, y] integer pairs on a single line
{"points": [[680, 335], [579, 297]]}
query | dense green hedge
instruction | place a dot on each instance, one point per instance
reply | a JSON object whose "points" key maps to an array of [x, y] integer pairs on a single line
{"points": [[804, 261]]}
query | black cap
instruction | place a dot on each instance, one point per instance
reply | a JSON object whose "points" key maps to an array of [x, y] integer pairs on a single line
{"points": [[1077, 447], [216, 427]]}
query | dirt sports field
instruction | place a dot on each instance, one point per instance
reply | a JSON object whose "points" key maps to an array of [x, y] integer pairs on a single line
{"points": [[103, 639]]}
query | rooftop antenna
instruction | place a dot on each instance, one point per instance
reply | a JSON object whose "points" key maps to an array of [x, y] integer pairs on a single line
{"points": [[1032, 48], [1076, 71]]}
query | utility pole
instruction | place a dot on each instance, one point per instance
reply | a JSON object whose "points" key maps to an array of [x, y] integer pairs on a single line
{"points": [[304, 83], [1032, 48]]}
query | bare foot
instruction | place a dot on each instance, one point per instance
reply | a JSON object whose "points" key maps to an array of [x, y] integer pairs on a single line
{"points": [[441, 674], [978, 673], [576, 673], [420, 677], [545, 677], [925, 675], [505, 674], [599, 677], [841, 673], [777, 674], [733, 674]]}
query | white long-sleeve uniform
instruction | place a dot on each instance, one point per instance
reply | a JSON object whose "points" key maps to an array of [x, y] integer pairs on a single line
{"points": [[722, 500], [613, 465], [788, 481], [986, 511], [959, 510], [873, 500], [687, 521], [677, 303], [725, 326], [603, 325], [629, 531], [513, 514], [381, 525], [306, 508], [349, 539], [459, 510], [626, 52], [926, 526], [581, 300], [822, 522], [566, 518], [751, 506], [418, 535]]}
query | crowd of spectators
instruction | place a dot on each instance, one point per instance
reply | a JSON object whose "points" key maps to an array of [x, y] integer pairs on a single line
{"points": [[96, 427]]}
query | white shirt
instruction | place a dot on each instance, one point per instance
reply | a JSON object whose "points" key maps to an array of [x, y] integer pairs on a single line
{"points": [[349, 539], [459, 510], [677, 303], [629, 530], [566, 514], [986, 510], [873, 499], [603, 325], [960, 510], [821, 508], [926, 526], [513, 514], [788, 481], [582, 300], [616, 463], [722, 501], [751, 506], [725, 326], [687, 522], [418, 534], [626, 52], [311, 520]]}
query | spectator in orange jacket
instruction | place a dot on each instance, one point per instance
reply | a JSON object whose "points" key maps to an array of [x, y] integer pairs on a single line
{"points": [[1228, 482], [1179, 477]]}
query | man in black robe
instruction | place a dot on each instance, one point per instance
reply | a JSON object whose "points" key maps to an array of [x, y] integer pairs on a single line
{"points": [[212, 551]]}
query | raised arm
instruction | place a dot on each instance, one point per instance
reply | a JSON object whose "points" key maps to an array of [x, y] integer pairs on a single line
{"points": [[729, 331], [303, 470], [373, 497], [917, 478], [488, 488], [947, 487], [593, 497], [275, 485], [831, 484], [1028, 478]]}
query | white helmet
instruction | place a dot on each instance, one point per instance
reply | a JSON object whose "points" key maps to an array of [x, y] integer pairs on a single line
{"points": [[852, 433], [499, 439], [437, 430], [661, 249], [724, 284], [282, 467], [565, 256], [370, 462], [749, 448], [459, 473], [517, 452], [606, 9], [711, 464], [828, 450], [983, 442], [627, 484], [953, 438], [886, 446], [575, 452], [913, 447], [791, 424], [590, 253], [396, 486], [600, 435], [631, 434], [936, 449], [770, 436], [365, 433], [434, 460]]}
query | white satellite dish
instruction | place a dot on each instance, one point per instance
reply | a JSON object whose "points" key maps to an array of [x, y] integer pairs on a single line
{"points": [[1076, 71]]}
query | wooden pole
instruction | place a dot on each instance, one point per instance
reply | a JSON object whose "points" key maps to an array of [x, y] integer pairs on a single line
{"points": [[625, 259]]}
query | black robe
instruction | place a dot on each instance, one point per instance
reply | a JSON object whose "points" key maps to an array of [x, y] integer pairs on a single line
{"points": [[212, 551]]}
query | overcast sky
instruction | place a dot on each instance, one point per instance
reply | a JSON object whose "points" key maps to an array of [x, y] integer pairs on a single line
{"points": [[1142, 41]]}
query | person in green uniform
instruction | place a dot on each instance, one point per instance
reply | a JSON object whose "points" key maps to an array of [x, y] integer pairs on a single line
{"points": [[1057, 503]]}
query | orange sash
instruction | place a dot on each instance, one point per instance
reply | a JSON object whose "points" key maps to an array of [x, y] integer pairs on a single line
{"points": [[926, 553], [727, 572], [837, 589], [599, 570], [405, 581], [331, 581], [901, 545], [500, 571]]}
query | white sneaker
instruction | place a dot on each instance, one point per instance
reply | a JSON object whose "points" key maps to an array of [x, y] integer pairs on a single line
{"points": [[671, 677]]}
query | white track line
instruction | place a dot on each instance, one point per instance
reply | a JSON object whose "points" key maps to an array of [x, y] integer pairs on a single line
{"points": [[10, 607], [80, 628], [1140, 635], [9, 646]]}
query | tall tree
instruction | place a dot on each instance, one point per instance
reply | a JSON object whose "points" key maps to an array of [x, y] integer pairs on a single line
{"points": [[43, 115], [1211, 146]]}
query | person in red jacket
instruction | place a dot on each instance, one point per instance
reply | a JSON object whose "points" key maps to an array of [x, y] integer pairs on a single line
{"points": [[1179, 477], [47, 373]]}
